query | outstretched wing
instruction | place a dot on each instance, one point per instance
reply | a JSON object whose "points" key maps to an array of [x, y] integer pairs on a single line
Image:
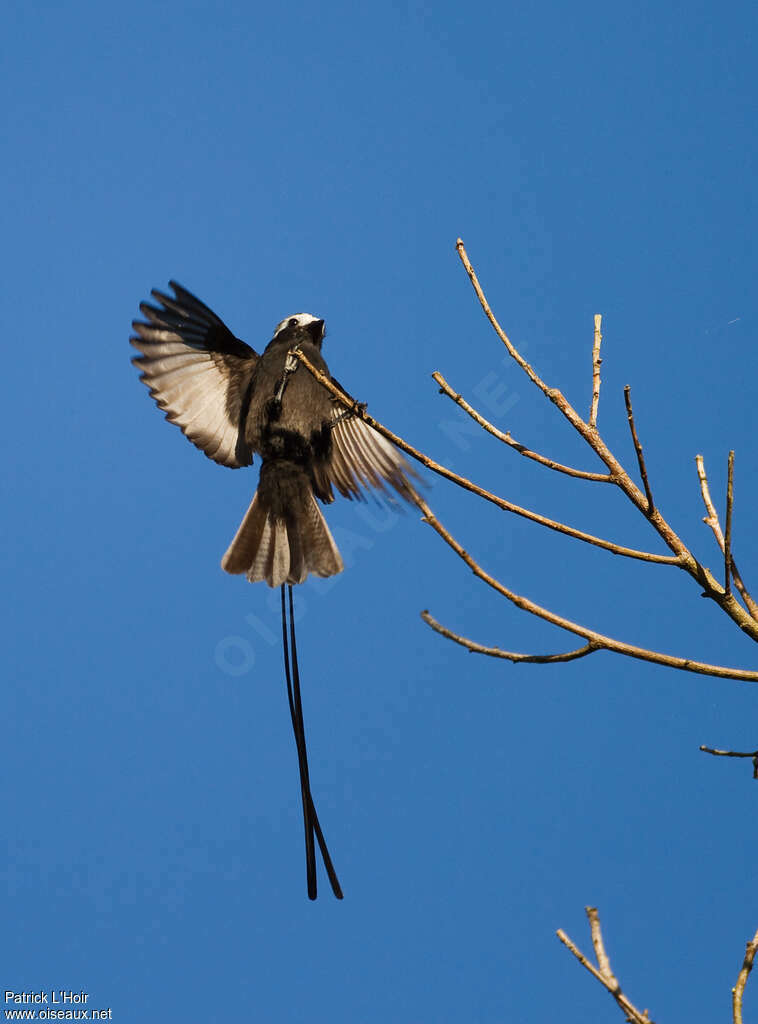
{"points": [[362, 458], [197, 371]]}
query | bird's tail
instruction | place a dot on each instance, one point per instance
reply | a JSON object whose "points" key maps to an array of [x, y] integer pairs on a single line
{"points": [[283, 536]]}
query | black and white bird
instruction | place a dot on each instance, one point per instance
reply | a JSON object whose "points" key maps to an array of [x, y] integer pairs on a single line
{"points": [[233, 403]]}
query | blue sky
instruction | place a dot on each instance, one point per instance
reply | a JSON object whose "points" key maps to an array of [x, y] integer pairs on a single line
{"points": [[325, 158]]}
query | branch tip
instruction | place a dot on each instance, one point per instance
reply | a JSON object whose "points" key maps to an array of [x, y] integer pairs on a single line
{"points": [[728, 567], [638, 450], [739, 988], [596, 361]]}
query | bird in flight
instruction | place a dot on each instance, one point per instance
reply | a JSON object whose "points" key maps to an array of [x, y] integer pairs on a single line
{"points": [[233, 403]]}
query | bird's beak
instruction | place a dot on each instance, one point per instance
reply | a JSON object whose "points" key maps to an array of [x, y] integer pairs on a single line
{"points": [[317, 330]]}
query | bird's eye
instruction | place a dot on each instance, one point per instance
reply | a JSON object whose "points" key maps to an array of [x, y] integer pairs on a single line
{"points": [[293, 322]]}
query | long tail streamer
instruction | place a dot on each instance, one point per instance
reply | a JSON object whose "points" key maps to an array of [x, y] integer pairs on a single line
{"points": [[310, 818]]}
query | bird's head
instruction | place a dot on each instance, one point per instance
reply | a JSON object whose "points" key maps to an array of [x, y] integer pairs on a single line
{"points": [[300, 327]]}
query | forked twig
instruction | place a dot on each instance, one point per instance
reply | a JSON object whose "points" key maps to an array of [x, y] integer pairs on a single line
{"points": [[712, 521], [603, 971]]}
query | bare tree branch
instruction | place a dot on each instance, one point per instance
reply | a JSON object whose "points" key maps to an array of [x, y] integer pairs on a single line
{"points": [[599, 639], [682, 556], [619, 476], [638, 449], [507, 439], [596, 361], [497, 652], [603, 971], [739, 989]]}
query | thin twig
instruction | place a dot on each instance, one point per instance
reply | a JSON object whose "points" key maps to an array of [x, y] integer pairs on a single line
{"points": [[596, 361], [603, 971], [507, 439], [734, 753], [603, 961], [728, 753], [533, 377], [508, 506], [739, 988], [497, 652], [599, 639], [728, 530], [582, 958], [638, 449], [712, 520]]}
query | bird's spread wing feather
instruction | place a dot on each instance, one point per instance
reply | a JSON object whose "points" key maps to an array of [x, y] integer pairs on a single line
{"points": [[197, 372], [362, 458]]}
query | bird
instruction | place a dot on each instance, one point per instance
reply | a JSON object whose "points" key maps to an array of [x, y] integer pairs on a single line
{"points": [[233, 403]]}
